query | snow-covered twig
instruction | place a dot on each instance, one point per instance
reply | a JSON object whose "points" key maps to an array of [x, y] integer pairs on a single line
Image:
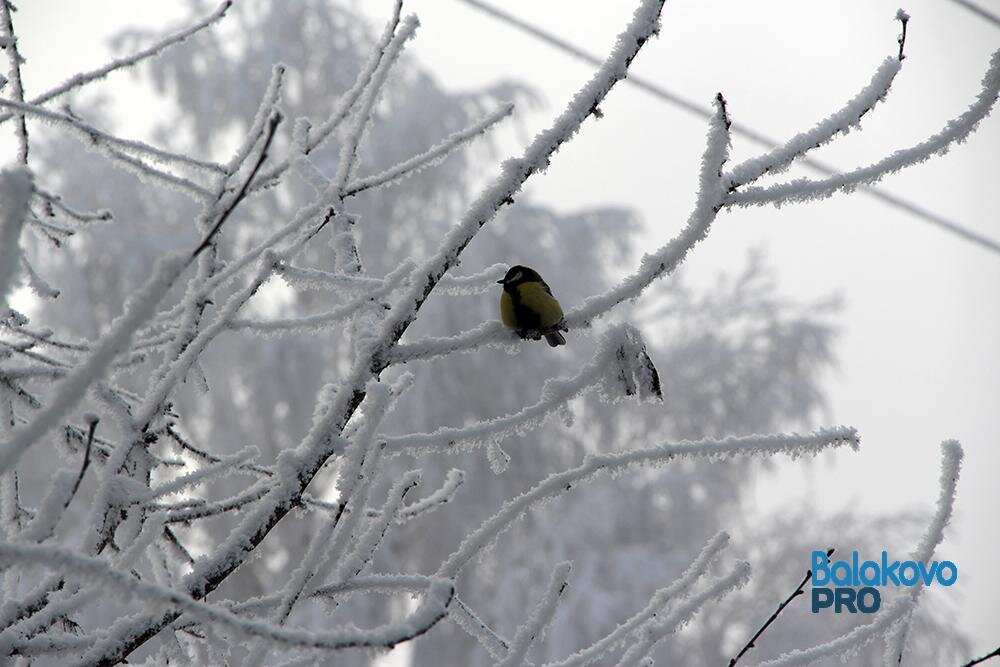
{"points": [[840, 122], [476, 628], [660, 599], [224, 466], [850, 641], [444, 494], [955, 131], [556, 393], [656, 630], [15, 193], [431, 156], [951, 465], [323, 321], [558, 483], [711, 195], [14, 77], [432, 608], [319, 134], [83, 78], [902, 607], [55, 202], [104, 139], [38, 285], [540, 617], [71, 389]]}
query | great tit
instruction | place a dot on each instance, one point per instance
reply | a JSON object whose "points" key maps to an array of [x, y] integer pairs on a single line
{"points": [[528, 307]]}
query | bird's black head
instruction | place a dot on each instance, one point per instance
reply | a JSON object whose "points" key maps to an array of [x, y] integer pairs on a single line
{"points": [[519, 274]]}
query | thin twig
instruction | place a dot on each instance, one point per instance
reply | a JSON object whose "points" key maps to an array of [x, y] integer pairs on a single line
{"points": [[781, 607], [903, 18], [83, 78], [15, 77], [272, 126], [91, 428], [994, 654]]}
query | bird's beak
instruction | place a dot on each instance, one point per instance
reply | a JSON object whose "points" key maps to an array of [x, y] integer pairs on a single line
{"points": [[500, 282]]}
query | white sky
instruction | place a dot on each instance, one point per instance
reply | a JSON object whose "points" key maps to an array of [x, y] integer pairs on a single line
{"points": [[919, 353]]}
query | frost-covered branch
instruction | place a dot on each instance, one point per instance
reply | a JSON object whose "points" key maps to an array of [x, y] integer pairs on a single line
{"points": [[83, 78], [955, 131], [540, 617], [951, 465], [433, 155], [15, 193], [432, 608], [107, 141], [595, 464], [902, 607], [711, 195], [656, 630], [657, 603], [320, 443], [607, 370], [14, 76], [72, 388], [163, 463]]}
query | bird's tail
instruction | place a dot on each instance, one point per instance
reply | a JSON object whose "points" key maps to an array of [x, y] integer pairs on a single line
{"points": [[555, 339]]}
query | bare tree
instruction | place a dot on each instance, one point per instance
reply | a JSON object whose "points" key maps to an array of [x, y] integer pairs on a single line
{"points": [[152, 475]]}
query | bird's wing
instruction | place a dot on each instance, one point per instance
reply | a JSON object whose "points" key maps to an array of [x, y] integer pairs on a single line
{"points": [[536, 297]]}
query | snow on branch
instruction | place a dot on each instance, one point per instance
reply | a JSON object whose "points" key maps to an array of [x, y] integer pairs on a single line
{"points": [[475, 627], [664, 261], [656, 607], [554, 485], [72, 388], [444, 494], [151, 476], [955, 131], [951, 465], [656, 630], [14, 76], [325, 321], [432, 608], [902, 607], [321, 442], [620, 367], [539, 618], [841, 122], [515, 172], [432, 156], [83, 78], [345, 103], [15, 195], [105, 140]]}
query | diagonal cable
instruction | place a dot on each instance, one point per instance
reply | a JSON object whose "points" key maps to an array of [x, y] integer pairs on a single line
{"points": [[982, 13], [704, 112]]}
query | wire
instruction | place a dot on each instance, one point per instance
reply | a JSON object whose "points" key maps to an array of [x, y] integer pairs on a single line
{"points": [[976, 9], [705, 113]]}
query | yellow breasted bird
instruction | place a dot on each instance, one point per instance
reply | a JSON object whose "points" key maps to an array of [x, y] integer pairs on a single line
{"points": [[528, 307]]}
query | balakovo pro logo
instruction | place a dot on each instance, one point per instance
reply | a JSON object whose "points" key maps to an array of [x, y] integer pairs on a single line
{"points": [[835, 583]]}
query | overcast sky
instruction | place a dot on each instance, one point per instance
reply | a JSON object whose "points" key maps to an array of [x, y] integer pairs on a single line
{"points": [[919, 353]]}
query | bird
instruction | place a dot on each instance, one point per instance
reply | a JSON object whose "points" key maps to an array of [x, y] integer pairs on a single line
{"points": [[528, 307]]}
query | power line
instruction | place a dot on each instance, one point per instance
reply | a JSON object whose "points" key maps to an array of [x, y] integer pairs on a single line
{"points": [[976, 9], [705, 113]]}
